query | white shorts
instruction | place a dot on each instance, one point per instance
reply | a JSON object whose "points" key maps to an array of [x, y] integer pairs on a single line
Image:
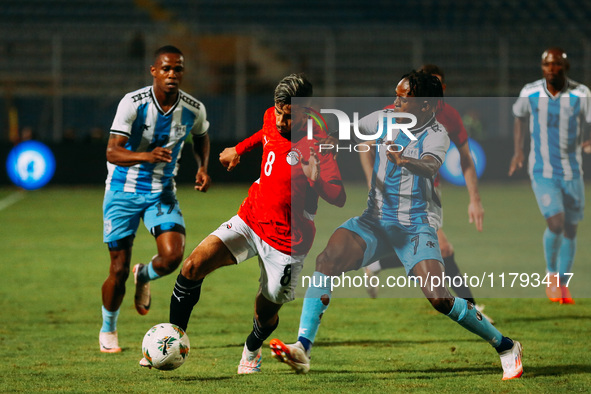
{"points": [[279, 272]]}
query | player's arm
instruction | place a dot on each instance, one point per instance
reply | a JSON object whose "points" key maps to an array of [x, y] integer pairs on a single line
{"points": [[586, 144], [475, 210], [324, 176], [201, 149], [117, 153], [519, 130], [427, 166], [230, 157]]}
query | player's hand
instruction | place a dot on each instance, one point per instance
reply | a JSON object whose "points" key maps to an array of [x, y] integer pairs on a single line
{"points": [[312, 166], [160, 155], [229, 158], [202, 180], [476, 214], [395, 157], [586, 146], [330, 140], [516, 163]]}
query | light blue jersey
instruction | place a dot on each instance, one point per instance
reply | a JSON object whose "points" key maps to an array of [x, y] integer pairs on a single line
{"points": [[555, 127], [140, 118], [397, 195]]}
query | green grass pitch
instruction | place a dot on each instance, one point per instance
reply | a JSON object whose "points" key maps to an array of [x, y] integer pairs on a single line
{"points": [[54, 262]]}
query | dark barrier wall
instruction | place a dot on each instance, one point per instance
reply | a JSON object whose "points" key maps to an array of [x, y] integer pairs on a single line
{"points": [[84, 163]]}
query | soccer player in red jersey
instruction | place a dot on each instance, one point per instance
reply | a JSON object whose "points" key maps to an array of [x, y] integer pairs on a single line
{"points": [[449, 117], [275, 221]]}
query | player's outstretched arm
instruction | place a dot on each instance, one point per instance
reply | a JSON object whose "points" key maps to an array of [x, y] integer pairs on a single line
{"points": [[475, 210], [201, 149], [427, 166], [519, 129], [230, 157], [117, 153]]}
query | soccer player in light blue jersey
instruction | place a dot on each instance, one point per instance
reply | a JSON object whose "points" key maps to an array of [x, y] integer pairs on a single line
{"points": [[402, 217], [557, 111], [146, 141]]}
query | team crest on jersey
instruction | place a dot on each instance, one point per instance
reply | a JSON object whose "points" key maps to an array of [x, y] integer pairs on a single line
{"points": [[293, 158], [411, 152], [178, 130]]}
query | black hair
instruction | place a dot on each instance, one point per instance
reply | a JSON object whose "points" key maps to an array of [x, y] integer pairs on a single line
{"points": [[166, 49], [433, 70], [294, 85], [425, 85]]}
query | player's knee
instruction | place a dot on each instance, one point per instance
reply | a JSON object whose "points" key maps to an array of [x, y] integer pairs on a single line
{"points": [[325, 263], [442, 305], [192, 268], [556, 223], [169, 262], [120, 272]]}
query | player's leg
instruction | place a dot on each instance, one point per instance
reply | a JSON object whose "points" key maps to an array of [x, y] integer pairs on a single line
{"points": [[466, 315], [208, 256], [121, 217], [165, 221], [574, 201], [113, 291], [277, 285], [264, 322], [552, 241], [550, 202], [227, 245], [345, 251], [171, 247]]}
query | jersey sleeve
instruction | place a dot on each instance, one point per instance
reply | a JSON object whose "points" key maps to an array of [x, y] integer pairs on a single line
{"points": [[124, 118], [436, 144], [521, 106], [586, 104], [201, 124], [249, 143]]}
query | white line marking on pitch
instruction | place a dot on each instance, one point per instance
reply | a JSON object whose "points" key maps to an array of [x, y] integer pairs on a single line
{"points": [[11, 199]]}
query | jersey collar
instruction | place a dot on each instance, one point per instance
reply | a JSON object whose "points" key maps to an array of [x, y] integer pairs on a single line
{"points": [[178, 99]]}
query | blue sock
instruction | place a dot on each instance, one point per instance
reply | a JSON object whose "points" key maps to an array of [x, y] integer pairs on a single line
{"points": [[109, 320], [313, 309], [566, 257], [552, 243], [471, 320], [147, 273]]}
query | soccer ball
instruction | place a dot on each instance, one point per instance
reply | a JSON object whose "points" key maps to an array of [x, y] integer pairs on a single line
{"points": [[166, 346]]}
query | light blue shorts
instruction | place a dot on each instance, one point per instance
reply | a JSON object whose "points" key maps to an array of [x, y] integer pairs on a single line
{"points": [[411, 244], [555, 195], [122, 212]]}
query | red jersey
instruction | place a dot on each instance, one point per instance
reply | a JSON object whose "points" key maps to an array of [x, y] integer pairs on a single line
{"points": [[281, 204]]}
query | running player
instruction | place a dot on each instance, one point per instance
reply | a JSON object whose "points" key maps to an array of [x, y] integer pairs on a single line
{"points": [[275, 222], [402, 216], [556, 110], [451, 120], [147, 137]]}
